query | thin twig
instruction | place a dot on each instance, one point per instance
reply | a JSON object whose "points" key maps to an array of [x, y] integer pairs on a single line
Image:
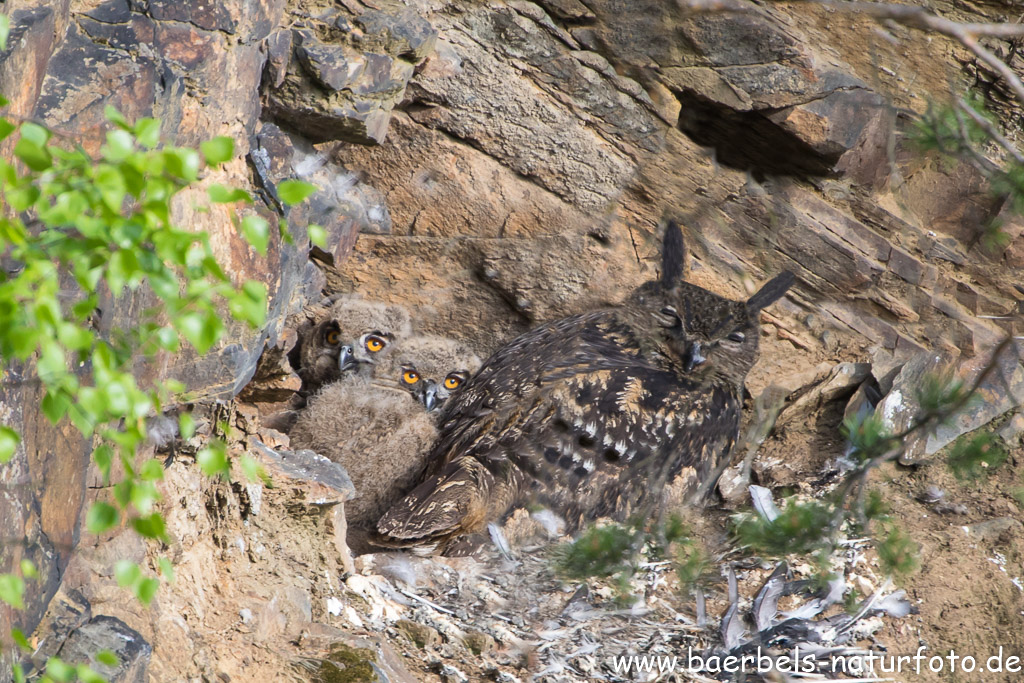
{"points": [[26, 543], [919, 17], [989, 368], [59, 132], [1001, 67], [984, 165], [856, 479], [909, 15], [989, 128], [426, 602], [913, 17], [716, 6], [966, 34]]}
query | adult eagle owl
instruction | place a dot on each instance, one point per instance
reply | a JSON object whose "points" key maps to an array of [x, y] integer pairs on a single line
{"points": [[591, 413]]}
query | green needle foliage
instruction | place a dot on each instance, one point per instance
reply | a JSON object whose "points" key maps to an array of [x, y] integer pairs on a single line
{"points": [[968, 131], [867, 437], [76, 226], [940, 394], [973, 455], [695, 568], [897, 552], [797, 529], [615, 551], [611, 551], [601, 551], [949, 131]]}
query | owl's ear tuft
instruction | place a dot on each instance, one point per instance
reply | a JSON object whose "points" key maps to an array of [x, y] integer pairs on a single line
{"points": [[771, 292], [673, 256]]}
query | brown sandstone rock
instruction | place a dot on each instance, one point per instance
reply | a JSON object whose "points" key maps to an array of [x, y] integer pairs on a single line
{"points": [[344, 87], [531, 151]]}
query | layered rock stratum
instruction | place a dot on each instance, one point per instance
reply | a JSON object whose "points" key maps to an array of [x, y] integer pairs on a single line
{"points": [[491, 166]]}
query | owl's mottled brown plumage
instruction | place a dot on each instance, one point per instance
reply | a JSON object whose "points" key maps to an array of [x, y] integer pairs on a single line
{"points": [[378, 425], [590, 413]]}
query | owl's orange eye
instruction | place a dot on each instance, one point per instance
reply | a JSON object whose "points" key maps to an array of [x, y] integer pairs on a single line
{"points": [[375, 344], [410, 377], [333, 337], [452, 382]]}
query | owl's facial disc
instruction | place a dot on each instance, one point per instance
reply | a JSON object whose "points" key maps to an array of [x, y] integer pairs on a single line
{"points": [[730, 348], [423, 389], [428, 391]]}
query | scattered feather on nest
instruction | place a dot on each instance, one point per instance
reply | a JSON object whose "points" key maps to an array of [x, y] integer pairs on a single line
{"points": [[797, 630]]}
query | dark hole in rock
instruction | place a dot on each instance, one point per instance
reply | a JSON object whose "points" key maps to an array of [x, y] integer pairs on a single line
{"points": [[749, 141]]}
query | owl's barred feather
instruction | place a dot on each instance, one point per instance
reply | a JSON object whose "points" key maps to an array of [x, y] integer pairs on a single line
{"points": [[588, 414]]}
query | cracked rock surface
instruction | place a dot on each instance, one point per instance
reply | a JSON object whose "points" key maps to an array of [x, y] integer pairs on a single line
{"points": [[491, 166]]}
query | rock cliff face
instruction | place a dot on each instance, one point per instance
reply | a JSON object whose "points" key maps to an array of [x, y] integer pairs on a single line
{"points": [[492, 166]]}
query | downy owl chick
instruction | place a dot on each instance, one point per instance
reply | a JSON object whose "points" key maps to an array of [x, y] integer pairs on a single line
{"points": [[353, 337], [591, 414], [380, 426]]}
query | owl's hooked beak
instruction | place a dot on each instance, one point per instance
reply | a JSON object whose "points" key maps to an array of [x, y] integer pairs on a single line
{"points": [[694, 357], [430, 398], [346, 359]]}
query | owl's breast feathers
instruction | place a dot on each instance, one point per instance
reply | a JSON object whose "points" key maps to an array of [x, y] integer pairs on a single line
{"points": [[573, 413]]}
